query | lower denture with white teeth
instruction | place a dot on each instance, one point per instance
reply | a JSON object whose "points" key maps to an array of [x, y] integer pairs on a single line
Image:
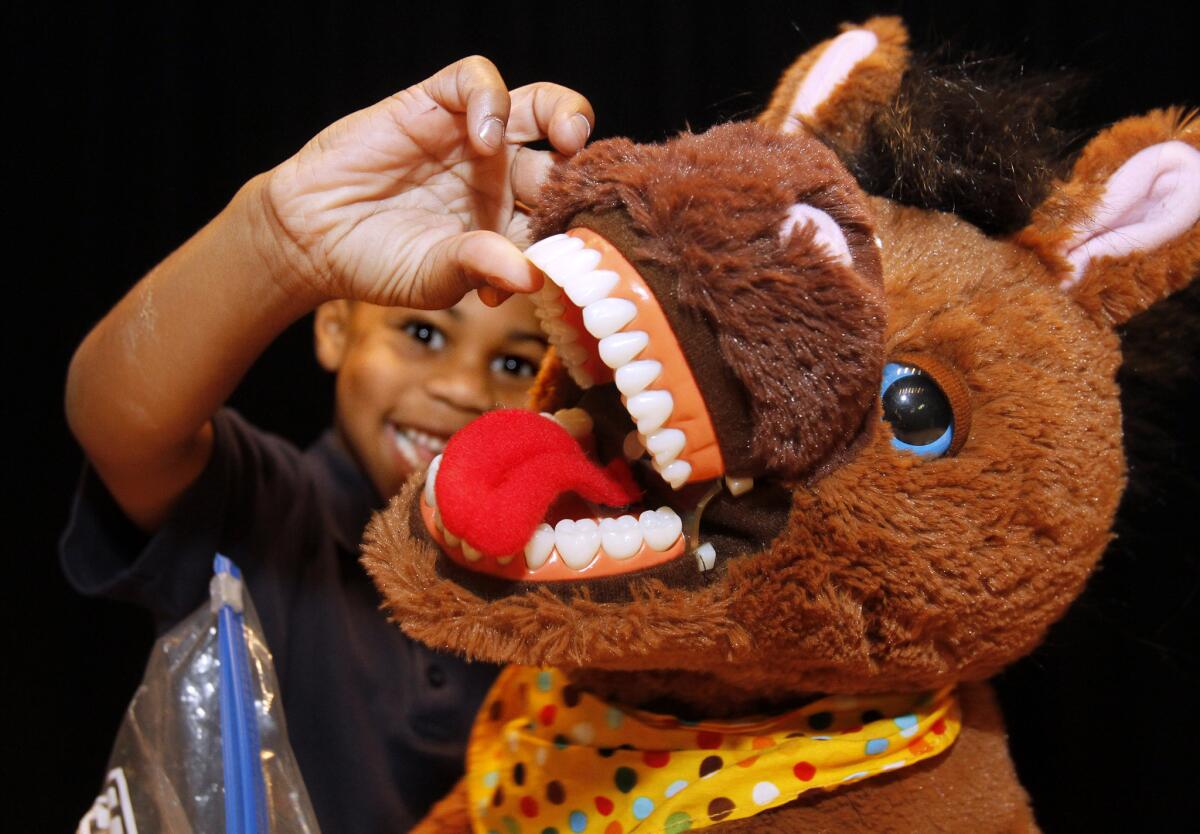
{"points": [[516, 495]]}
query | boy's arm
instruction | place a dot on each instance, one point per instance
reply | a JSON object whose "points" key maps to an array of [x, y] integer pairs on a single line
{"points": [[404, 203], [144, 383]]}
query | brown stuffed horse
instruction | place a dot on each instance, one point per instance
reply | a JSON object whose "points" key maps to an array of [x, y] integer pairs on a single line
{"points": [[823, 457]]}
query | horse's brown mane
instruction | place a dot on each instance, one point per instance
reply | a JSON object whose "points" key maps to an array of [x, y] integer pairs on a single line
{"points": [[976, 136]]}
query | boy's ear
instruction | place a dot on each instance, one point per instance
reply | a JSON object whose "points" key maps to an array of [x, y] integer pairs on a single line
{"points": [[1124, 230], [836, 87], [331, 325]]}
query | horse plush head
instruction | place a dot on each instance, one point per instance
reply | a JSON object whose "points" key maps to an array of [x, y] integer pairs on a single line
{"points": [[820, 421]]}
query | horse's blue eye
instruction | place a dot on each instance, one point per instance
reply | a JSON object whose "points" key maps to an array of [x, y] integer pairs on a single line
{"points": [[918, 410]]}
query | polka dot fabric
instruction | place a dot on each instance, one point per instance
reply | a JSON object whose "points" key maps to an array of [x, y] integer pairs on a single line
{"points": [[546, 757]]}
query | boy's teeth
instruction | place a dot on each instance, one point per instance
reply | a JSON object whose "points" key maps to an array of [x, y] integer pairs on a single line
{"points": [[607, 316], [537, 551], [620, 537], [635, 376], [621, 348], [660, 528], [434, 443], [409, 440], [650, 409], [431, 480], [577, 542]]}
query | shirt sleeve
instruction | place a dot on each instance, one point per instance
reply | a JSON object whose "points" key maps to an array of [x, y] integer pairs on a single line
{"points": [[252, 479]]}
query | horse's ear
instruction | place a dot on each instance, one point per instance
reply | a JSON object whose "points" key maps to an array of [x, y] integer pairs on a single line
{"points": [[837, 86], [1124, 230]]}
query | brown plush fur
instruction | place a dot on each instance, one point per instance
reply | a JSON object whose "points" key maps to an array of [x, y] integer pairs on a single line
{"points": [[552, 389], [843, 120], [892, 572], [1133, 283], [1030, 495], [974, 135], [809, 386], [977, 137]]}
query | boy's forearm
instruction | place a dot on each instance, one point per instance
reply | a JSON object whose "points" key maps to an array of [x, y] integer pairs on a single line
{"points": [[147, 379]]}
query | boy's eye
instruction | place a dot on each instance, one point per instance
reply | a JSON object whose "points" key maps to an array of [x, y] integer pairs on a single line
{"points": [[517, 366], [426, 334]]}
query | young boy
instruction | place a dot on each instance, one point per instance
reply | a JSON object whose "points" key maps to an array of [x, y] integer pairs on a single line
{"points": [[410, 202]]}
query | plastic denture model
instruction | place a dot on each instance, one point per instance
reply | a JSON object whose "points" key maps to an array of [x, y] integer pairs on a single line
{"points": [[815, 457]]}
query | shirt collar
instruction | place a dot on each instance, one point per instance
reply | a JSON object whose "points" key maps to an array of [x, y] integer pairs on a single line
{"points": [[352, 498]]}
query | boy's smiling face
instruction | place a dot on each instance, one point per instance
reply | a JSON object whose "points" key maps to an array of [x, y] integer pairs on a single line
{"points": [[408, 379]]}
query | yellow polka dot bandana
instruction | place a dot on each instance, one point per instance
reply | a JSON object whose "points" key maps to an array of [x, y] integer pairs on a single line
{"points": [[547, 758]]}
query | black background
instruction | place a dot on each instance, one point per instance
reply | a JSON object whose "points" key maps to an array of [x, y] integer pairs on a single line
{"points": [[128, 128]]}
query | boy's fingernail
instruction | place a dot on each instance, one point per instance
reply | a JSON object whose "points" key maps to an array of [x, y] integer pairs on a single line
{"points": [[583, 128], [491, 132], [491, 296]]}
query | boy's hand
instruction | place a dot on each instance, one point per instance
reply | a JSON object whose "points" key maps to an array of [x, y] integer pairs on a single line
{"points": [[410, 202]]}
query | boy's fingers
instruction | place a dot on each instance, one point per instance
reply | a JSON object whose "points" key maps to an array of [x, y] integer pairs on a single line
{"points": [[530, 169], [491, 296], [473, 86], [470, 260], [551, 111]]}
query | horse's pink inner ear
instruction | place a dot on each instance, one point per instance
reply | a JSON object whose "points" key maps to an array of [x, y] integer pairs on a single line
{"points": [[831, 69], [1151, 199], [826, 231]]}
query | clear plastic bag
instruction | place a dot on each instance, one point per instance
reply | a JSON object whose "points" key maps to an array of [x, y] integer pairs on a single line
{"points": [[203, 747]]}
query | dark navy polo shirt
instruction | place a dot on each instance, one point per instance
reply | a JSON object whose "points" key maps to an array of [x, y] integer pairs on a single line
{"points": [[378, 722]]}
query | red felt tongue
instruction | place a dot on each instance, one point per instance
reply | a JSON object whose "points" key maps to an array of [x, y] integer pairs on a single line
{"points": [[500, 474]]}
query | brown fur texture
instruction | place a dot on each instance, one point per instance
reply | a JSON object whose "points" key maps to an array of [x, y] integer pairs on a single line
{"points": [[1128, 285], [976, 137], [844, 119], [1030, 495], [892, 572], [552, 388], [707, 209], [578, 632]]}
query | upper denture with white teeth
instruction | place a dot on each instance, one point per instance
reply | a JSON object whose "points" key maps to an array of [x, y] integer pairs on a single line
{"points": [[613, 303]]}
